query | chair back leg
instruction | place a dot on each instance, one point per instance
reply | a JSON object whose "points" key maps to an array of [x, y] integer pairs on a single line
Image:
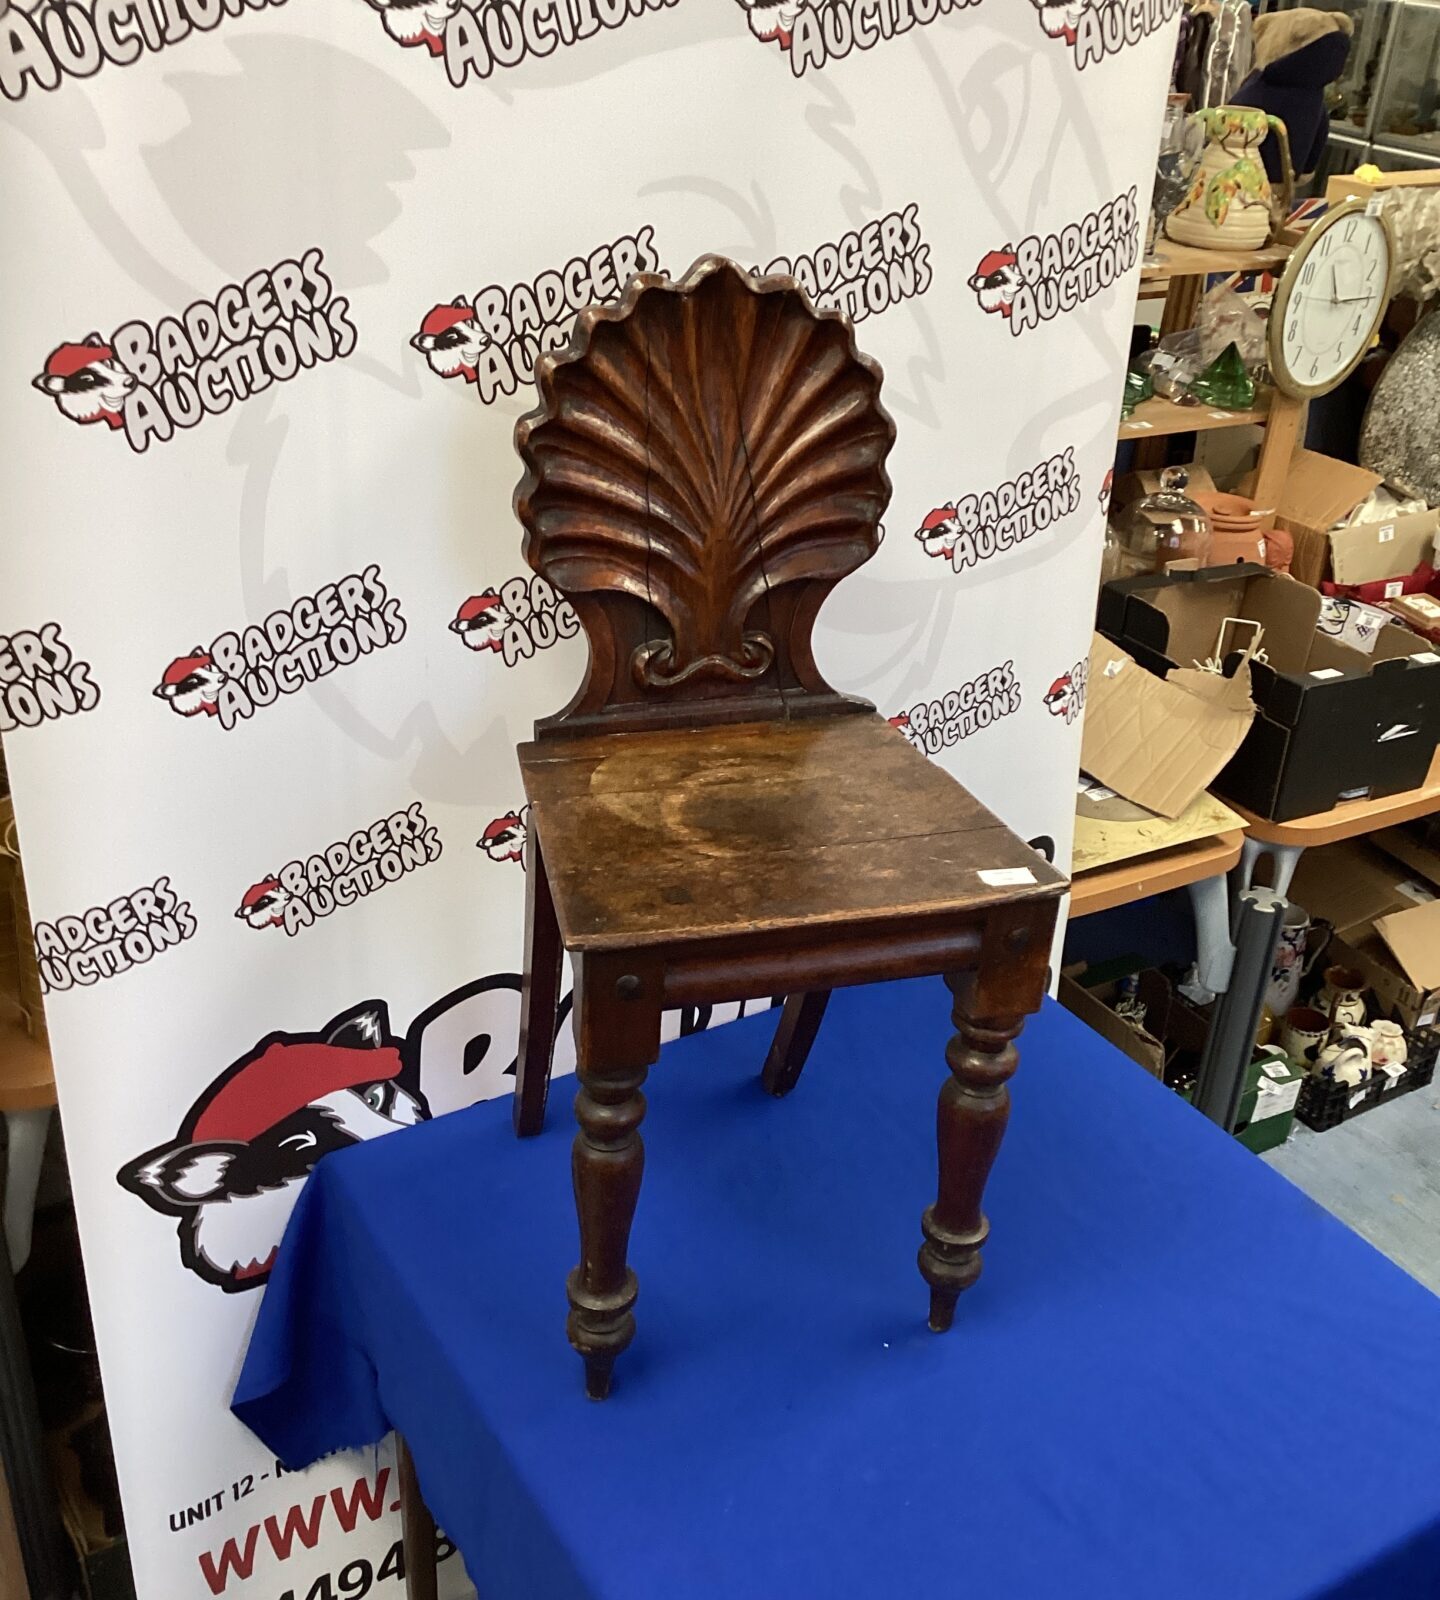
{"points": [[799, 1023], [539, 994]]}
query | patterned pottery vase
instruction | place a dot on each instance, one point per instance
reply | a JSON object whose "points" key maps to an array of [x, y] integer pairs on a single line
{"points": [[1343, 997], [1228, 205], [1293, 959], [1304, 1034], [1387, 1045]]}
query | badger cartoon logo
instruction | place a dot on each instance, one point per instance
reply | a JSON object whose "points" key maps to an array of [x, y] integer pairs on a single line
{"points": [[1059, 695], [901, 722], [87, 382], [1105, 488], [772, 21], [263, 905], [191, 684], [1066, 696], [504, 839], [231, 1174], [1060, 18], [481, 622], [413, 22], [939, 531], [451, 340], [996, 280]]}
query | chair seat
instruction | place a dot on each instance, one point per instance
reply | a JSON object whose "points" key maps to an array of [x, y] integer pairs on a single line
{"points": [[690, 834]]}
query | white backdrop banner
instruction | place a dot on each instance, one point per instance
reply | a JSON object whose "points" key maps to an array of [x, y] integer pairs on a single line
{"points": [[278, 275]]}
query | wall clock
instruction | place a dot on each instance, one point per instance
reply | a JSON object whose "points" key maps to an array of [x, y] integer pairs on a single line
{"points": [[1330, 301]]}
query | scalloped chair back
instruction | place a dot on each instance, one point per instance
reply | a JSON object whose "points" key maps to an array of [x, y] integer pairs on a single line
{"points": [[706, 462]]}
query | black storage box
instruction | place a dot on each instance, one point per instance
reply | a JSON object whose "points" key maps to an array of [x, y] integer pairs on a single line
{"points": [[1331, 724]]}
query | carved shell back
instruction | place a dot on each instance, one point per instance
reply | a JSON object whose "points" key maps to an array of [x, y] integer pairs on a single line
{"points": [[696, 446]]}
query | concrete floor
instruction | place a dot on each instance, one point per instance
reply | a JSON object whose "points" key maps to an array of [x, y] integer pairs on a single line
{"points": [[1380, 1174]]}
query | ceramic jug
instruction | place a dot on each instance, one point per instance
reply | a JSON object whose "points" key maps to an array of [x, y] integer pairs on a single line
{"points": [[1304, 1034], [1228, 204], [1298, 948], [1347, 1059], [1343, 997]]}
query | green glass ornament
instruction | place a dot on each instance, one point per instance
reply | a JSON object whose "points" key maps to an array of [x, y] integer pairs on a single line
{"points": [[1138, 387], [1225, 382]]}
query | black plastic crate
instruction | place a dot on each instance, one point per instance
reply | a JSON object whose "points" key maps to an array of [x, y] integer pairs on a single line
{"points": [[1324, 1104]]}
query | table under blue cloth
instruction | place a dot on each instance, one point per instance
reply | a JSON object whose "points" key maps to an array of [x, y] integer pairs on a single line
{"points": [[1178, 1378]]}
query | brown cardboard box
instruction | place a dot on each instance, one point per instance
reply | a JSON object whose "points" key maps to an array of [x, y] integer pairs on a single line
{"points": [[1373, 905], [1419, 612], [1160, 741], [1320, 492], [1411, 851], [1140, 1046]]}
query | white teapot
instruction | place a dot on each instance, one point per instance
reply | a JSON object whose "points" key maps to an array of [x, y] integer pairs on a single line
{"points": [[1346, 1059]]}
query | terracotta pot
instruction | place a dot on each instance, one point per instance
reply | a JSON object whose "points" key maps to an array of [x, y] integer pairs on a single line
{"points": [[1227, 548], [1229, 204]]}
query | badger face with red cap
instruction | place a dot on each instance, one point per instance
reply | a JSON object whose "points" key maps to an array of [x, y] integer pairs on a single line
{"points": [[264, 904], [191, 684], [1060, 697], [451, 340], [939, 531], [87, 382], [1060, 18], [504, 839], [412, 22], [247, 1145], [481, 622], [996, 280], [771, 20]]}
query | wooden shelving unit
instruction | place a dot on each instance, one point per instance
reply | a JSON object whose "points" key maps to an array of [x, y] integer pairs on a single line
{"points": [[1185, 261], [1155, 417]]}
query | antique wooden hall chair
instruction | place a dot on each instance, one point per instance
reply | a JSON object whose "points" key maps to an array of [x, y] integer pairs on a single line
{"points": [[709, 819]]}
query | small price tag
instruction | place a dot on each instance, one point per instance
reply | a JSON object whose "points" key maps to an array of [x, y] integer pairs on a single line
{"points": [[1141, 423], [1373, 205], [1114, 668], [1426, 658], [1327, 672], [1387, 532], [1427, 1020], [1395, 588], [1005, 877]]}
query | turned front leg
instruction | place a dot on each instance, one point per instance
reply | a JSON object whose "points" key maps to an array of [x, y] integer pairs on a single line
{"points": [[617, 1036], [969, 1125]]}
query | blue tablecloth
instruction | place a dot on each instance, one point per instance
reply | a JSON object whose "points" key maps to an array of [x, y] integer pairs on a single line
{"points": [[1178, 1379]]}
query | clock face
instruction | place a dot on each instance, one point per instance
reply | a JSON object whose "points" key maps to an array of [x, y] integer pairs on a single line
{"points": [[1336, 299]]}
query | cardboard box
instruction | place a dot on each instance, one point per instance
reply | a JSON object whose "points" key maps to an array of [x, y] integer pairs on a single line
{"points": [[1143, 1049], [1159, 741], [1332, 724], [1267, 1106], [1387, 924], [1408, 847], [1319, 492], [1419, 612]]}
